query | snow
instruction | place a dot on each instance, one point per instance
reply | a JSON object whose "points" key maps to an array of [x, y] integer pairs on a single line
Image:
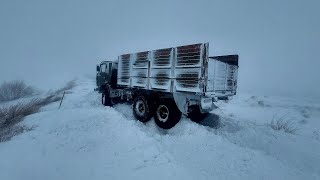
{"points": [[85, 140]]}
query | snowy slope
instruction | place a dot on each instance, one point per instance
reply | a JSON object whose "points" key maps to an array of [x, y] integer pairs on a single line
{"points": [[85, 140]]}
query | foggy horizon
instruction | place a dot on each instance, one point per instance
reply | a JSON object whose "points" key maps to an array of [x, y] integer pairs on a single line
{"points": [[47, 43]]}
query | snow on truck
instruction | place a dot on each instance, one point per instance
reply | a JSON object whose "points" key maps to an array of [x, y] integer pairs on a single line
{"points": [[167, 83]]}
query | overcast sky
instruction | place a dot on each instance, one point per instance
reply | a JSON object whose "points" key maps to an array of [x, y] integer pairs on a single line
{"points": [[49, 42]]}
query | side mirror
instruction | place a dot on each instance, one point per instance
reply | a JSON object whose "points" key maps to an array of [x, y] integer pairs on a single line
{"points": [[98, 68]]}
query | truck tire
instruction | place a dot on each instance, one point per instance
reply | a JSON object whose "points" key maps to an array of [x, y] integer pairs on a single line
{"points": [[106, 99], [167, 114], [142, 108], [196, 115]]}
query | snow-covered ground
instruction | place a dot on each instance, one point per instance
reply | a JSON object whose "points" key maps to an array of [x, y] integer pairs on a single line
{"points": [[85, 140]]}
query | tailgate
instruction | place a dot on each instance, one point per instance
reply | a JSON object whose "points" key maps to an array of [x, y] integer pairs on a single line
{"points": [[222, 75]]}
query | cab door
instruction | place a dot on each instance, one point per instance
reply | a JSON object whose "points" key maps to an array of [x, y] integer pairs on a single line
{"points": [[102, 75]]}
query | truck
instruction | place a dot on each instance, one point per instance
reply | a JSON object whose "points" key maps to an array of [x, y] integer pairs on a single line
{"points": [[168, 83]]}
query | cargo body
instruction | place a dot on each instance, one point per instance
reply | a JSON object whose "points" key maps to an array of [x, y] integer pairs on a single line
{"points": [[186, 77], [181, 69]]}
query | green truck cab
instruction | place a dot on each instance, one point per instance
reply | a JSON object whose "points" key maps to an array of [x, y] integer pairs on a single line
{"points": [[106, 75]]}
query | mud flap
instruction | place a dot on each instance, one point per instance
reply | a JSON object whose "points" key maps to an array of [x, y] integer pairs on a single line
{"points": [[181, 102]]}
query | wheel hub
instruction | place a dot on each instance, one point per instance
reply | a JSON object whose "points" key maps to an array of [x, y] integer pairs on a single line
{"points": [[163, 113], [140, 108]]}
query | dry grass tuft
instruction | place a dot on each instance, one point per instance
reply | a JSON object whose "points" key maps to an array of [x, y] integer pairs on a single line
{"points": [[281, 123]]}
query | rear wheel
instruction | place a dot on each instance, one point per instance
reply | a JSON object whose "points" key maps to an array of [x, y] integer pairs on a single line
{"points": [[142, 108], [167, 114]]}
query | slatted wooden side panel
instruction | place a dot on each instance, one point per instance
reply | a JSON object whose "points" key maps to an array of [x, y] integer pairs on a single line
{"points": [[189, 56], [161, 58], [161, 70], [124, 70], [188, 65], [168, 70]]}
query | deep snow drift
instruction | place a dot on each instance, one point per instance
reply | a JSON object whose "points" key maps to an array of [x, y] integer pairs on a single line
{"points": [[85, 140]]}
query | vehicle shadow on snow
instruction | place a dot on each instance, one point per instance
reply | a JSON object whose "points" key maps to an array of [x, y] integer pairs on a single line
{"points": [[215, 121], [212, 120]]}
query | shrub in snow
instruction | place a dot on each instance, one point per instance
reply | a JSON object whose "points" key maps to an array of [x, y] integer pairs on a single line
{"points": [[14, 90], [11, 115], [305, 112], [261, 103], [282, 124], [316, 134]]}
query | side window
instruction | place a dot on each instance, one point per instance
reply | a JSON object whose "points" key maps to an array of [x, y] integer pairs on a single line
{"points": [[103, 68]]}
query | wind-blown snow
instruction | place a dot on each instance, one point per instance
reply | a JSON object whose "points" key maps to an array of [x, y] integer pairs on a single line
{"points": [[85, 140]]}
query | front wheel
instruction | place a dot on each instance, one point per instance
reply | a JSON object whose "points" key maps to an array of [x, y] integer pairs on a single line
{"points": [[167, 114], [106, 99]]}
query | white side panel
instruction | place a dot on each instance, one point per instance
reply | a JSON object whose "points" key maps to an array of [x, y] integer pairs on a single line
{"points": [[220, 76], [211, 75], [123, 81], [170, 70], [139, 82], [235, 78], [231, 77], [161, 73], [161, 58], [139, 73], [188, 67], [188, 73], [139, 78], [160, 84], [124, 69], [161, 70], [189, 56], [188, 79], [141, 60], [185, 86]]}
